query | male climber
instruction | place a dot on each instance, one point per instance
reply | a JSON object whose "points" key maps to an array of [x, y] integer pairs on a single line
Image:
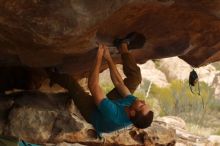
{"points": [[119, 108]]}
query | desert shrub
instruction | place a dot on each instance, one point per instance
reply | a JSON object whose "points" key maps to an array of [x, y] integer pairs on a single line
{"points": [[107, 86], [215, 105], [216, 65], [157, 63], [177, 100], [217, 132], [140, 94], [201, 112]]}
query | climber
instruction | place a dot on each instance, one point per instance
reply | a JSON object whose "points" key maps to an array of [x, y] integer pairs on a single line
{"points": [[119, 108]]}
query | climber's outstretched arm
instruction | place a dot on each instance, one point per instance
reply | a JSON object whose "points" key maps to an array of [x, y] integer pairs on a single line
{"points": [[93, 80], [115, 75]]}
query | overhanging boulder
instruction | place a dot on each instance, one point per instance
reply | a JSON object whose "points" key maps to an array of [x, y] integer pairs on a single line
{"points": [[64, 33]]}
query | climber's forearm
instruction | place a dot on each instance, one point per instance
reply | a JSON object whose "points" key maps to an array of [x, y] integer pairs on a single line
{"points": [[94, 72], [115, 76], [93, 80], [117, 79]]}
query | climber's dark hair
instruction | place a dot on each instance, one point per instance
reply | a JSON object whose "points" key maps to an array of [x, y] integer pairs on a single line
{"points": [[142, 121]]}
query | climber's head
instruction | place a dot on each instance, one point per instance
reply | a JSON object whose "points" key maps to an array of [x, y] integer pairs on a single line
{"points": [[140, 114]]}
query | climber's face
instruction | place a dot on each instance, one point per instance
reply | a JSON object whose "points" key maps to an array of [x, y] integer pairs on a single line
{"points": [[139, 106]]}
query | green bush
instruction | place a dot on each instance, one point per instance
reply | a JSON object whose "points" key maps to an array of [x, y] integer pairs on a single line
{"points": [[215, 105], [216, 65], [140, 94], [157, 63], [178, 100], [107, 86], [217, 132], [201, 112]]}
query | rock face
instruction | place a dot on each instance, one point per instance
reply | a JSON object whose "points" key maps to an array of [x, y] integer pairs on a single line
{"points": [[38, 33], [185, 138], [35, 34], [163, 71], [46, 120], [152, 74], [64, 144], [176, 69]]}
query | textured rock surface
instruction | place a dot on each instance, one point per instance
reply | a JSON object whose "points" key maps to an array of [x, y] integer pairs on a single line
{"points": [[30, 124], [185, 138], [215, 139], [207, 74], [152, 74], [44, 119], [64, 144], [5, 105], [41, 33], [176, 69], [174, 122]]}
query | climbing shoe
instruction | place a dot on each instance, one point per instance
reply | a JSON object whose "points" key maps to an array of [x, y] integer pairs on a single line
{"points": [[134, 40]]}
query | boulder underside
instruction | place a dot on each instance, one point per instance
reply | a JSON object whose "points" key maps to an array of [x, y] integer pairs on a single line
{"points": [[63, 33], [37, 34]]}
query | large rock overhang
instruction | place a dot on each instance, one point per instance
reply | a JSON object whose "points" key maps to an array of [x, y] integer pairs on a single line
{"points": [[63, 33]]}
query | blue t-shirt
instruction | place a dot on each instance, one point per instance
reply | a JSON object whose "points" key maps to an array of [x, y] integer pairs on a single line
{"points": [[110, 115]]}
